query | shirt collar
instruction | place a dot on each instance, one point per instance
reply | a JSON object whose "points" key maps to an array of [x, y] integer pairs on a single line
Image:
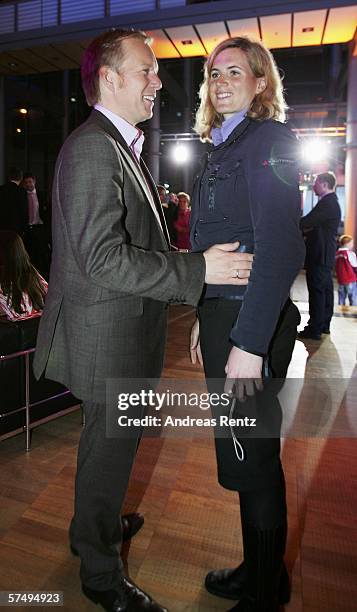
{"points": [[220, 134], [133, 137]]}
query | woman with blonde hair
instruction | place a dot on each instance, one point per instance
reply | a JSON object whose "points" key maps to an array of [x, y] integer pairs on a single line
{"points": [[248, 191]]}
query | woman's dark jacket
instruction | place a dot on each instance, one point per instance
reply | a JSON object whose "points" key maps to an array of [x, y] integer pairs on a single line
{"points": [[248, 191]]}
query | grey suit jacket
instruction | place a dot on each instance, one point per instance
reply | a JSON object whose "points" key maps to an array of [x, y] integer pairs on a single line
{"points": [[112, 274]]}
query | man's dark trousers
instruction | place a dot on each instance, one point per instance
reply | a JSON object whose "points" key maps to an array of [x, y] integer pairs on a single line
{"points": [[100, 490], [320, 285]]}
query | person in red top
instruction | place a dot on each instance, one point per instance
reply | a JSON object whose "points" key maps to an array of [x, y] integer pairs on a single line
{"points": [[346, 271], [182, 223]]}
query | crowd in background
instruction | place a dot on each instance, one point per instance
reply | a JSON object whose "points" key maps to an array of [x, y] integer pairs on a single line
{"points": [[177, 213], [25, 245]]}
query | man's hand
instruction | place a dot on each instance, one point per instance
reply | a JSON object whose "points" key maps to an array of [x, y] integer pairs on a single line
{"points": [[226, 266], [195, 348], [244, 373]]}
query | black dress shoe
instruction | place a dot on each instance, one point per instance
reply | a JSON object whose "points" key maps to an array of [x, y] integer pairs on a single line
{"points": [[111, 600], [229, 583], [307, 334], [131, 524], [127, 598]]}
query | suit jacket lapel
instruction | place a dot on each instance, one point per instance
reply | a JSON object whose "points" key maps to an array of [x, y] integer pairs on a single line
{"points": [[134, 166]]}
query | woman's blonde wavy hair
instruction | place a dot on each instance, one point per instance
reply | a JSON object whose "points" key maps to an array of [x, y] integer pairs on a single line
{"points": [[269, 104]]}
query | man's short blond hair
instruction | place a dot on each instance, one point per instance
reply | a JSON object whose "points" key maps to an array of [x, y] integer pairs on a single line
{"points": [[105, 50]]}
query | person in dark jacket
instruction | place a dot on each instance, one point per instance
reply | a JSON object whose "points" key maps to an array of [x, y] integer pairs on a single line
{"points": [[13, 203], [248, 191], [320, 230]]}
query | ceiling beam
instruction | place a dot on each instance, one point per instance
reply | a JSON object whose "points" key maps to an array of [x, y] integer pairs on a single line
{"points": [[164, 18]]}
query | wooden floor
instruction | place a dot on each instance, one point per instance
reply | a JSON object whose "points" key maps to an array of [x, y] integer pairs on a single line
{"points": [[191, 524]]}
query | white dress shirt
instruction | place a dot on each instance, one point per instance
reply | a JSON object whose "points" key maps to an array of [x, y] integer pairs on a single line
{"points": [[33, 208], [133, 137]]}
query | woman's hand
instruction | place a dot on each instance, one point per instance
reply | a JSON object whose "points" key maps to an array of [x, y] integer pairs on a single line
{"points": [[244, 373], [195, 348]]}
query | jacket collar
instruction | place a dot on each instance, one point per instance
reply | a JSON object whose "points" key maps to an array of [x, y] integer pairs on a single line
{"points": [[109, 127]]}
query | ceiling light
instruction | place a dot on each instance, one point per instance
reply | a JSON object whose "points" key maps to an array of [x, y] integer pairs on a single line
{"points": [[23, 111], [18, 130], [315, 150], [181, 154]]}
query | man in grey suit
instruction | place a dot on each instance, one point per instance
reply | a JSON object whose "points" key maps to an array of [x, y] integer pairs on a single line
{"points": [[112, 275]]}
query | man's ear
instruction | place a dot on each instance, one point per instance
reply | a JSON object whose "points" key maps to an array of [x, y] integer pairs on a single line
{"points": [[106, 76], [261, 85]]}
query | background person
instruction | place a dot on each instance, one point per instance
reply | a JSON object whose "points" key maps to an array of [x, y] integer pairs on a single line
{"points": [[320, 230], [172, 197], [37, 234], [22, 288], [346, 271], [182, 222], [13, 203], [170, 211], [112, 275], [248, 191]]}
